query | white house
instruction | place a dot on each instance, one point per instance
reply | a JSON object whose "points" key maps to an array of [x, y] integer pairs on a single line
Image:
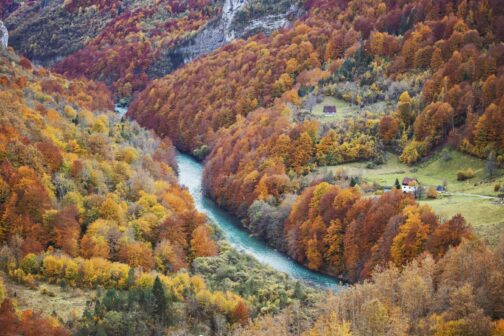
{"points": [[409, 185]]}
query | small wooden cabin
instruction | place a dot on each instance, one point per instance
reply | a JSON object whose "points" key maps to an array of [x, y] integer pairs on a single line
{"points": [[329, 110]]}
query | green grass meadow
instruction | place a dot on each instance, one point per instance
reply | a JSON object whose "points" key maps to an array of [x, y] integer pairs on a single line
{"points": [[343, 110], [485, 215]]}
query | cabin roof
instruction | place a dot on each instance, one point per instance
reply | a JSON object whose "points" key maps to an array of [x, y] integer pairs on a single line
{"points": [[329, 109], [408, 180]]}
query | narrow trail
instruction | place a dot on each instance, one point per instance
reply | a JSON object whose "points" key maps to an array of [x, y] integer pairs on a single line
{"points": [[472, 195]]}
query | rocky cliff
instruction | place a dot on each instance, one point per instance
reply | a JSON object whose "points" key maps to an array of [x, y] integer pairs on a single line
{"points": [[47, 31], [240, 18], [4, 36]]}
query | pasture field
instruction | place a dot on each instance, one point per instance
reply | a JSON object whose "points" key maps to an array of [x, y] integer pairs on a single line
{"points": [[344, 110], [472, 198]]}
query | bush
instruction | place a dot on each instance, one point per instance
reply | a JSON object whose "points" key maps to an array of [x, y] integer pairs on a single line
{"points": [[465, 175], [70, 112], [497, 187], [461, 176], [29, 264], [2, 290], [49, 293], [201, 152], [18, 275], [25, 63], [432, 193]]}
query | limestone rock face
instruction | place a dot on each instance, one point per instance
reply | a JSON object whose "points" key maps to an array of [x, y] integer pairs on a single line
{"points": [[229, 11], [237, 21], [4, 36]]}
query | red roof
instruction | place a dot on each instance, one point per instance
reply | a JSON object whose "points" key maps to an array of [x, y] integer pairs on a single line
{"points": [[408, 180]]}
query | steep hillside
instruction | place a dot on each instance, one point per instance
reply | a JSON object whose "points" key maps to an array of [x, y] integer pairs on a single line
{"points": [[440, 63], [423, 298], [88, 173], [87, 198], [124, 44], [121, 44], [91, 200]]}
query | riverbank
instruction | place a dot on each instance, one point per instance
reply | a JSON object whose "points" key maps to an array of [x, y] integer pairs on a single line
{"points": [[190, 175]]}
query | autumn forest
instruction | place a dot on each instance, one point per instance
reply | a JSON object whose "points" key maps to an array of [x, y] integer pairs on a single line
{"points": [[359, 140]]}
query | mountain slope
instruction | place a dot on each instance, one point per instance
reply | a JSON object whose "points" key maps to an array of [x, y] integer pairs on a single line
{"points": [[85, 170], [89, 199], [240, 105], [124, 44]]}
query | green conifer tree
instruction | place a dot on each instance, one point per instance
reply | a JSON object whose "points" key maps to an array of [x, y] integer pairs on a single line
{"points": [[159, 299], [397, 184]]}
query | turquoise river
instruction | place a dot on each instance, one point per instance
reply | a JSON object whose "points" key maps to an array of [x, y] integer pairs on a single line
{"points": [[191, 174]]}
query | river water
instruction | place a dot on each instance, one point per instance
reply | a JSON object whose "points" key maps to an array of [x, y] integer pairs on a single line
{"points": [[191, 175]]}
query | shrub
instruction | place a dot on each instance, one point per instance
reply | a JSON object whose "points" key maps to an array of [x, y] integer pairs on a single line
{"points": [[45, 291], [70, 112], [432, 193], [201, 152], [18, 275], [29, 264], [25, 63], [465, 175], [2, 290]]}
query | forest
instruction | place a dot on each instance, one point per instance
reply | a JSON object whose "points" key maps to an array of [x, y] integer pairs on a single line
{"points": [[91, 200], [441, 62], [240, 116], [424, 298], [122, 44], [128, 51]]}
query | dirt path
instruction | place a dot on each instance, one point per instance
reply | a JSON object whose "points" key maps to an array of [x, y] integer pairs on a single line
{"points": [[472, 195]]}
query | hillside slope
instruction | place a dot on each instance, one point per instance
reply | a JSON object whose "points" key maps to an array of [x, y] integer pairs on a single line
{"points": [[91, 200], [85, 197], [126, 43], [439, 63]]}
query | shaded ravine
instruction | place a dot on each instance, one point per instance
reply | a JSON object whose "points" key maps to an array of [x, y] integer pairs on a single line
{"points": [[191, 175]]}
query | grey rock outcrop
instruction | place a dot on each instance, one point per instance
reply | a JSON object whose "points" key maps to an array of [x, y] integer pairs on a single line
{"points": [[221, 31], [229, 26], [4, 36], [229, 11]]}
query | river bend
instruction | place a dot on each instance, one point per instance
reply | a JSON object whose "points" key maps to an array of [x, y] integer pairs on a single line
{"points": [[191, 175]]}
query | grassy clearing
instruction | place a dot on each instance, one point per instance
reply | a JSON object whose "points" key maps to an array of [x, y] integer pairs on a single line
{"points": [[485, 215], [66, 304], [344, 110], [430, 173]]}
